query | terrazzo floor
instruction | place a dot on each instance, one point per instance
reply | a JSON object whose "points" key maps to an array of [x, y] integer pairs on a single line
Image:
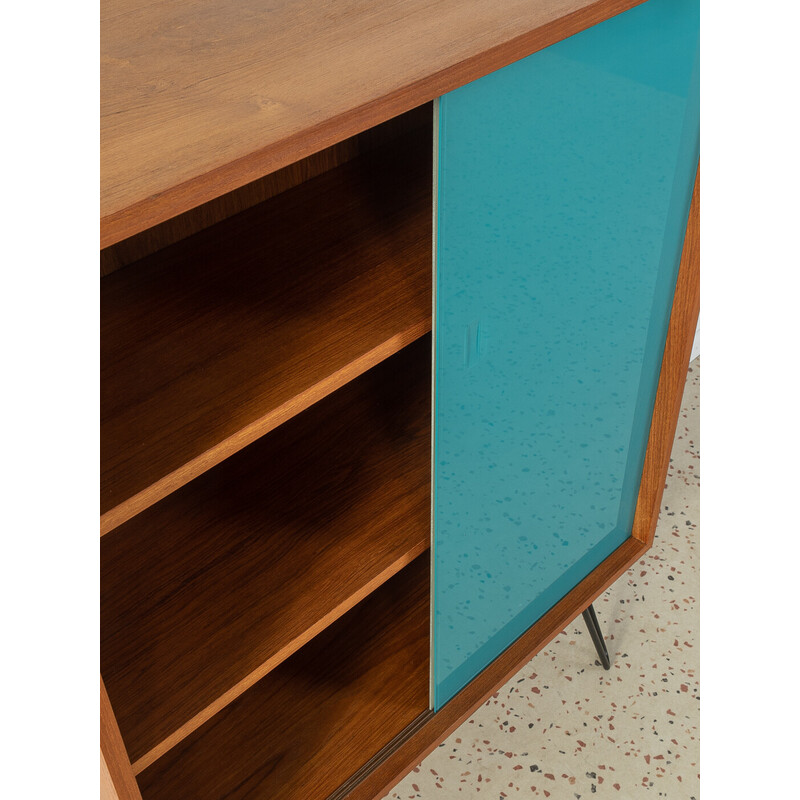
{"points": [[564, 728]]}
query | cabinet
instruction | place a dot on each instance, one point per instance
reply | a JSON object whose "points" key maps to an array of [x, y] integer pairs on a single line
{"points": [[356, 303]]}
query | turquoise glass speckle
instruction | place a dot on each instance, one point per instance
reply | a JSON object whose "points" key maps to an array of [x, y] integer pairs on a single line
{"points": [[564, 184]]}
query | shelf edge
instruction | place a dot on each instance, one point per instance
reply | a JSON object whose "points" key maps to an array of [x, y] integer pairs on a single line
{"points": [[147, 497], [278, 658]]}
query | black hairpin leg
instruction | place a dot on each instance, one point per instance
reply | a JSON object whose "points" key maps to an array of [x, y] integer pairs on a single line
{"points": [[590, 618]]}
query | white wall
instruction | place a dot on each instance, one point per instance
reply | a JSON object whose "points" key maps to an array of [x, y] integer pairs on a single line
{"points": [[696, 344]]}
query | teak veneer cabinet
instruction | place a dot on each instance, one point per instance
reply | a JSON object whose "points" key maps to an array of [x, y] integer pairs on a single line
{"points": [[397, 304]]}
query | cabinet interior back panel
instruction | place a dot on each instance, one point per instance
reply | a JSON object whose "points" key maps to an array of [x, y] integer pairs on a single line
{"points": [[564, 183]]}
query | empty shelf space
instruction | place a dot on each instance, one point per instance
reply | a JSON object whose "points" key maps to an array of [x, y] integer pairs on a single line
{"points": [[305, 728], [213, 341], [205, 592]]}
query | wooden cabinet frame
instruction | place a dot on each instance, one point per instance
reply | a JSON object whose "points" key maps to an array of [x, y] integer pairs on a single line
{"points": [[147, 218]]}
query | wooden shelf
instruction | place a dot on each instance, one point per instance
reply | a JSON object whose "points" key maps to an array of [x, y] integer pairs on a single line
{"points": [[298, 733], [207, 591], [214, 341]]}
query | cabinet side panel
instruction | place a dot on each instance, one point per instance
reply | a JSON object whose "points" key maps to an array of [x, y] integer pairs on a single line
{"points": [[116, 776], [564, 183], [677, 355]]}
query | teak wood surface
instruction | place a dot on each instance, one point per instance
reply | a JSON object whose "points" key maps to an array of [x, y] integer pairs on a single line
{"points": [[677, 352], [418, 120], [218, 339], [208, 591], [116, 776], [297, 734], [410, 748], [199, 97]]}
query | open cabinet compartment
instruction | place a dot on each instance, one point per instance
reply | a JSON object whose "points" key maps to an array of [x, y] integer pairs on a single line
{"points": [[265, 477], [210, 589], [217, 339], [304, 729]]}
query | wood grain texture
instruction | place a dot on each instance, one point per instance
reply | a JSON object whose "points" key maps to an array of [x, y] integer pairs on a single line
{"points": [[209, 590], [215, 341], [384, 753], [116, 776], [107, 789], [412, 749], [675, 362], [199, 97], [184, 225], [307, 726]]}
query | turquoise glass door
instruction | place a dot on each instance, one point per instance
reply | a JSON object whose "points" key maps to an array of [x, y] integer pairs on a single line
{"points": [[564, 184]]}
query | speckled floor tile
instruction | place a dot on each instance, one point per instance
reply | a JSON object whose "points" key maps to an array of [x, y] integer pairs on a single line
{"points": [[563, 727]]}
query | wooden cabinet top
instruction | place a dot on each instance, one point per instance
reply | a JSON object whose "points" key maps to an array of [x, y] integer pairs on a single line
{"points": [[199, 97]]}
